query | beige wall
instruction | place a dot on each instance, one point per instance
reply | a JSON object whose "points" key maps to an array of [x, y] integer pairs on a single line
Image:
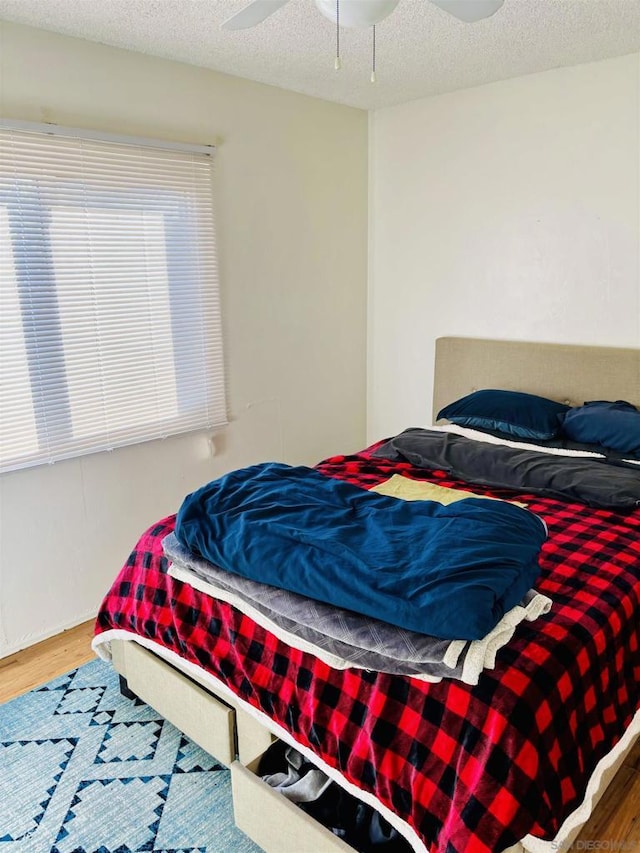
{"points": [[292, 243], [510, 211]]}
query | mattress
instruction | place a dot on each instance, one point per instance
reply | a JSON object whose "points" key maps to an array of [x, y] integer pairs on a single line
{"points": [[465, 768]]}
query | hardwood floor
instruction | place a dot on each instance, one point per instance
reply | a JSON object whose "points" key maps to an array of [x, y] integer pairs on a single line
{"points": [[616, 819], [614, 826], [37, 664]]}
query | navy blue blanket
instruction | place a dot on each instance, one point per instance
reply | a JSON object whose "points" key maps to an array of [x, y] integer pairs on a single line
{"points": [[448, 571]]}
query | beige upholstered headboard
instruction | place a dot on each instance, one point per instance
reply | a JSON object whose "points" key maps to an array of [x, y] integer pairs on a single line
{"points": [[571, 374]]}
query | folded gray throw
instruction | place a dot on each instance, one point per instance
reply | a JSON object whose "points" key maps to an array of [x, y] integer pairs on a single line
{"points": [[358, 641]]}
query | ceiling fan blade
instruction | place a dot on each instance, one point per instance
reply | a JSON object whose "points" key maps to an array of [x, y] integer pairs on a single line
{"points": [[253, 14], [469, 11]]}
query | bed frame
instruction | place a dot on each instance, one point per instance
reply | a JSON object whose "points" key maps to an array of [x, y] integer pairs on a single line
{"points": [[213, 717], [568, 373]]}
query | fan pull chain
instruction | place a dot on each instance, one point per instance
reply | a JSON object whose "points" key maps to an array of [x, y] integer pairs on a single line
{"points": [[373, 62], [337, 64]]}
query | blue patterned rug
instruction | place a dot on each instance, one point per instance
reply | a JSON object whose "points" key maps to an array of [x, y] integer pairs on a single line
{"points": [[84, 770]]}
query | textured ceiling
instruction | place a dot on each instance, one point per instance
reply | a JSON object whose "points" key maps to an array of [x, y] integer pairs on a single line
{"points": [[420, 49]]}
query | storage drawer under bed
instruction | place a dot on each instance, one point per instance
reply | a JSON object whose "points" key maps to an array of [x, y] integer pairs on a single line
{"points": [[200, 715], [267, 817]]}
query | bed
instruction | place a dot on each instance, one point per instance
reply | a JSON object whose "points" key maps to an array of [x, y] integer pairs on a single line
{"points": [[516, 762]]}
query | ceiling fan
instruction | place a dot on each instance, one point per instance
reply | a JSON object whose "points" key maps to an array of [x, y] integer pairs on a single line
{"points": [[360, 13]]}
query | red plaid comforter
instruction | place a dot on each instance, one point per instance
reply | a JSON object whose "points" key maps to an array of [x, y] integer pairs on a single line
{"points": [[471, 769]]}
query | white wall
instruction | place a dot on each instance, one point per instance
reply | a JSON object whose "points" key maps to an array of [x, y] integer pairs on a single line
{"points": [[510, 211], [292, 241]]}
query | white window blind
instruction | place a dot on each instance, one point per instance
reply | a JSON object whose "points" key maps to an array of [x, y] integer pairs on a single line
{"points": [[110, 329]]}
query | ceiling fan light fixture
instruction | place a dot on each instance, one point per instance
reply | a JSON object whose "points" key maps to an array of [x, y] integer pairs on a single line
{"points": [[357, 13], [360, 13]]}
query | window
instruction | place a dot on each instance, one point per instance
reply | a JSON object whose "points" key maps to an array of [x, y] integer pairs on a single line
{"points": [[110, 327]]}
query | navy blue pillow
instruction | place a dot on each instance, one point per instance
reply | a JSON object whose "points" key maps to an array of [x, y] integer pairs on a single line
{"points": [[614, 426], [513, 413]]}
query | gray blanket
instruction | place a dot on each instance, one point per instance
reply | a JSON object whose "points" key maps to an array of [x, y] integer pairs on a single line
{"points": [[358, 640], [567, 478]]}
